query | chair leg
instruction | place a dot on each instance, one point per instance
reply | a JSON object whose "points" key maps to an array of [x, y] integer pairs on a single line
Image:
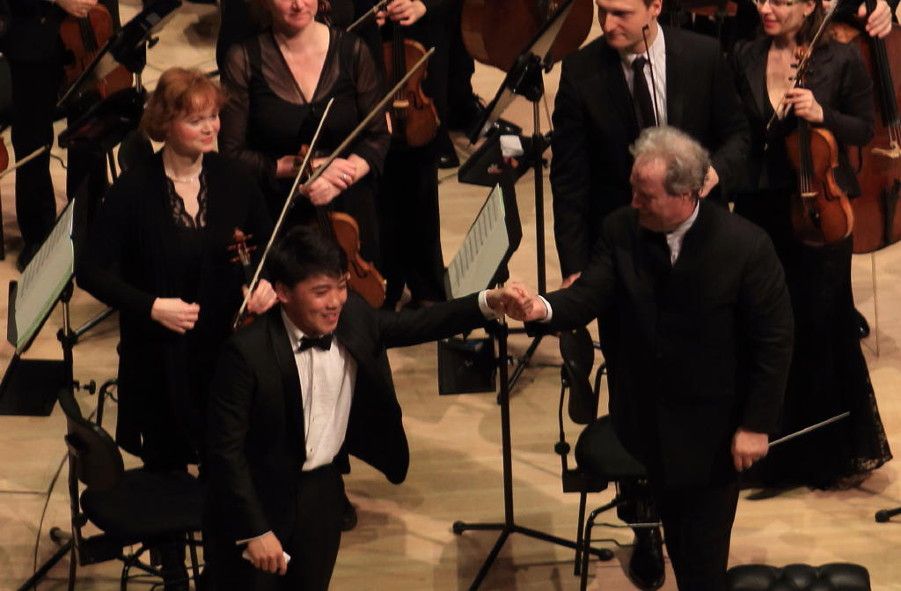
{"points": [[586, 546], [577, 563], [195, 568], [73, 566]]}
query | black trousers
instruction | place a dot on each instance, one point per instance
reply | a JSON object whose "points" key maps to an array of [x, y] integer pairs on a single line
{"points": [[410, 226], [697, 526], [35, 86], [313, 542]]}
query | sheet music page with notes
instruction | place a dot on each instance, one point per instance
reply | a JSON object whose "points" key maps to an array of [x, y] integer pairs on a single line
{"points": [[483, 250], [45, 278]]}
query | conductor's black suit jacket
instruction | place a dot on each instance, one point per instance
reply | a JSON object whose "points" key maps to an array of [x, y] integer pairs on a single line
{"points": [[694, 350], [595, 123], [255, 436]]}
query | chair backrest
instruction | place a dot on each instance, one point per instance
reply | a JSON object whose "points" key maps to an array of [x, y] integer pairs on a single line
{"points": [[98, 463], [577, 350]]}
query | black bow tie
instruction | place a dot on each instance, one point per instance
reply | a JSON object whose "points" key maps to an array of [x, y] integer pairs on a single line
{"points": [[324, 343]]}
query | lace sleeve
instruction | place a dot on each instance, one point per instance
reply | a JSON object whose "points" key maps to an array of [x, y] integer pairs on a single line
{"points": [[235, 114], [372, 144]]}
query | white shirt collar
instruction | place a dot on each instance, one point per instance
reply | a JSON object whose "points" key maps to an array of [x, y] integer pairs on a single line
{"points": [[657, 51]]}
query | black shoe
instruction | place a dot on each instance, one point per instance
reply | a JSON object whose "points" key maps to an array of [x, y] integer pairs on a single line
{"points": [[863, 327], [349, 517], [28, 252], [447, 155], [646, 564], [465, 116]]}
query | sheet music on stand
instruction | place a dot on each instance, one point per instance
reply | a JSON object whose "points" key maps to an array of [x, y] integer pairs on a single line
{"points": [[32, 298], [489, 243]]}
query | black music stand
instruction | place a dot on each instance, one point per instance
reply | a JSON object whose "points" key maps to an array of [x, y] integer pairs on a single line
{"points": [[30, 386], [482, 262], [525, 79]]}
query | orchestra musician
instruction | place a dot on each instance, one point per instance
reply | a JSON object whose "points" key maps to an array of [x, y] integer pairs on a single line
{"points": [[36, 57], [306, 380], [278, 84], [408, 196], [600, 108], [700, 347], [158, 252], [828, 373]]}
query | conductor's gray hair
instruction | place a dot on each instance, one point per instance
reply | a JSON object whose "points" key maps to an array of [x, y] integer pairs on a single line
{"points": [[687, 162]]}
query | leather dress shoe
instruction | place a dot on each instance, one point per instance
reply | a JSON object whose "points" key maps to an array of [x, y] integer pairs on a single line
{"points": [[646, 564], [349, 516], [447, 155], [863, 327]]}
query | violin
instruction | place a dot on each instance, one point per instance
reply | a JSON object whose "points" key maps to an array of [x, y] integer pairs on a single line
{"points": [[414, 119], [241, 250], [82, 39], [4, 164], [495, 32], [341, 227], [821, 212], [876, 212]]}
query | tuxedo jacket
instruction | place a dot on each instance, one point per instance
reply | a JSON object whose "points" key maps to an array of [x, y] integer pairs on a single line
{"points": [[255, 434], [693, 350], [595, 123]]}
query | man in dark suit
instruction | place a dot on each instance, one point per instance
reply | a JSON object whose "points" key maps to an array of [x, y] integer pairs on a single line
{"points": [[686, 85], [306, 383], [699, 345]]}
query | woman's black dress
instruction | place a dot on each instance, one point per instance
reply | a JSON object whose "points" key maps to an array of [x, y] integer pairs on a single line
{"points": [[267, 117], [143, 245], [829, 374]]}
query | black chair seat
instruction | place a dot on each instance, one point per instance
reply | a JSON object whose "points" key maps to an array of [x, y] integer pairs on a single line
{"points": [[799, 577], [600, 453], [170, 503]]}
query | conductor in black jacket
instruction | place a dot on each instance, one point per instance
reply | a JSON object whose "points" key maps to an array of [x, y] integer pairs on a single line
{"points": [[699, 343], [600, 110], [303, 384]]}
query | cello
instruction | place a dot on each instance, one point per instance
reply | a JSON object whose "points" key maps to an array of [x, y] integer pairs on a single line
{"points": [[495, 32], [876, 211]]}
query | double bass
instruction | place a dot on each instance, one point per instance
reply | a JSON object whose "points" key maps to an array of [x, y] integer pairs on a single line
{"points": [[495, 32], [876, 212]]}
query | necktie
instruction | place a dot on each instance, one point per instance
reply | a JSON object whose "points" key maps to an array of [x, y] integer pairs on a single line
{"points": [[324, 343], [644, 108]]}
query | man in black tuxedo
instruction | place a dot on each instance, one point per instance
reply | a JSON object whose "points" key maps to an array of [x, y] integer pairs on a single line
{"points": [[687, 85], [698, 349], [306, 383]]}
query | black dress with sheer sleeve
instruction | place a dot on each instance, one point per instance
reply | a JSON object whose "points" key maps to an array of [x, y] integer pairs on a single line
{"points": [[267, 117]]}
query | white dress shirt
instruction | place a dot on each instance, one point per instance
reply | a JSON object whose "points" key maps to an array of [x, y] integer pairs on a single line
{"points": [[326, 388], [657, 52]]}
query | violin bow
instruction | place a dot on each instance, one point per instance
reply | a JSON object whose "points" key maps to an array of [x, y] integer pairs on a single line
{"points": [[25, 160], [804, 62], [318, 172], [281, 218], [379, 6]]}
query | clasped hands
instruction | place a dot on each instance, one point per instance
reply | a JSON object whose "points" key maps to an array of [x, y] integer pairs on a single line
{"points": [[340, 174], [180, 316], [403, 12], [516, 301]]}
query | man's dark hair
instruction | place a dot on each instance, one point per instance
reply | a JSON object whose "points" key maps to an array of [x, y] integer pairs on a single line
{"points": [[302, 253]]}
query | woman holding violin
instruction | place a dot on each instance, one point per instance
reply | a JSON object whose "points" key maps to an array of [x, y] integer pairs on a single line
{"points": [[159, 253], [408, 197], [799, 184], [278, 84]]}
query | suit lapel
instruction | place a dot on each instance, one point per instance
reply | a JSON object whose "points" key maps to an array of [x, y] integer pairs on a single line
{"points": [[676, 77], [755, 76], [693, 241], [287, 366]]}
